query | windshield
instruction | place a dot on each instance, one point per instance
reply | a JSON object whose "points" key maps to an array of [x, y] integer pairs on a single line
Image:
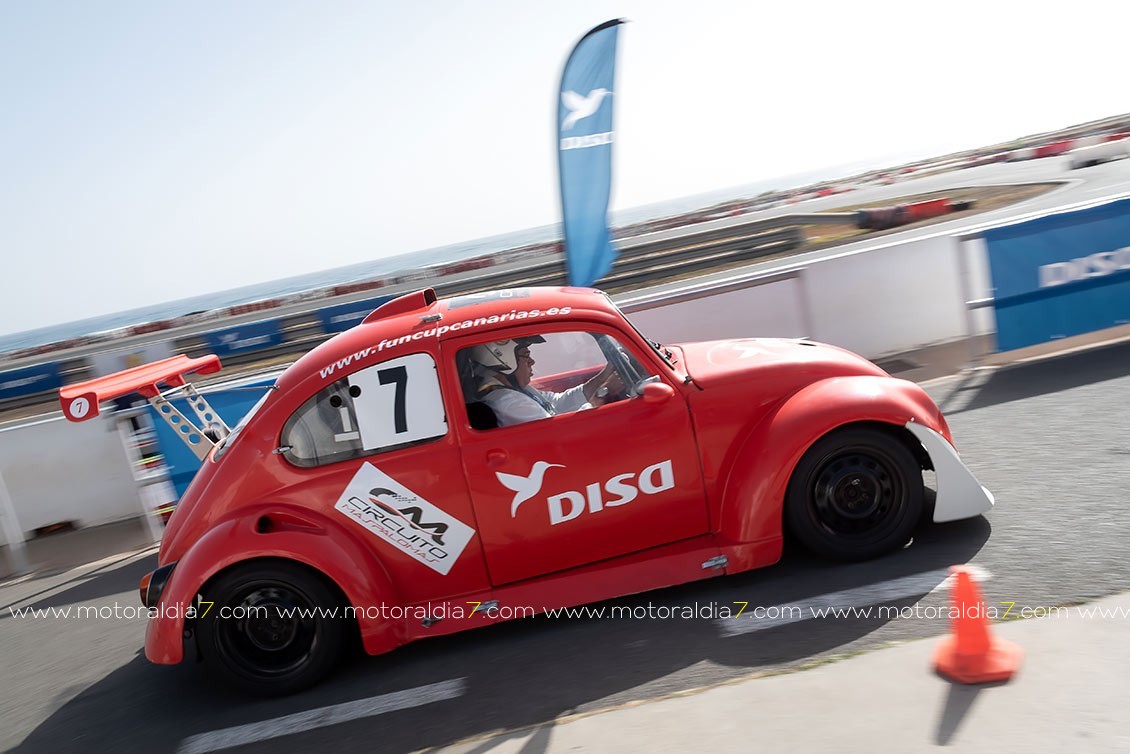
{"points": [[664, 353], [226, 443]]}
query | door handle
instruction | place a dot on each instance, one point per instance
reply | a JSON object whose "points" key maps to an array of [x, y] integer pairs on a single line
{"points": [[497, 457]]}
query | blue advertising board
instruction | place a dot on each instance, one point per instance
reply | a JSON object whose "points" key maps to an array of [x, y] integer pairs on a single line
{"points": [[231, 405], [253, 336], [341, 317], [1061, 275], [30, 380]]}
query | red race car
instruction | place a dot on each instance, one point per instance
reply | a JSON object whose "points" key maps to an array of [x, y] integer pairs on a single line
{"points": [[417, 476]]}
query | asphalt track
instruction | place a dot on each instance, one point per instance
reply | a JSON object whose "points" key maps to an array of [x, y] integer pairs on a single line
{"points": [[1049, 438]]}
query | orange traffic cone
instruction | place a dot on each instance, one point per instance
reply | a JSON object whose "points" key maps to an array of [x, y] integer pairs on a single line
{"points": [[971, 654]]}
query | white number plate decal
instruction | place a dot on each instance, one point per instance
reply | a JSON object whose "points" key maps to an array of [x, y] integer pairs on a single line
{"points": [[403, 519], [398, 402]]}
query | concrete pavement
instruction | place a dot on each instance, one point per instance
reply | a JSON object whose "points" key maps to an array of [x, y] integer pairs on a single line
{"points": [[1070, 694], [54, 553]]}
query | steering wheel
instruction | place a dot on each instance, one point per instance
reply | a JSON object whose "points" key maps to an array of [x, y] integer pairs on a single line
{"points": [[624, 366]]}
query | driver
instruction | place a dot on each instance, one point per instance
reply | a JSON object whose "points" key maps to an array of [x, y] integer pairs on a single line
{"points": [[505, 386]]}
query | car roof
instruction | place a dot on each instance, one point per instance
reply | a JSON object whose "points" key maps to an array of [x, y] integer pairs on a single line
{"points": [[414, 320]]}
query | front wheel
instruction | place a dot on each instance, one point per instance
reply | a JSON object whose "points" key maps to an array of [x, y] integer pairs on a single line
{"points": [[856, 494], [272, 628]]}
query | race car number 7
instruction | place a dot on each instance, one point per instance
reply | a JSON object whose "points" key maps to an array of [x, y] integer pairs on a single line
{"points": [[397, 376], [398, 402]]}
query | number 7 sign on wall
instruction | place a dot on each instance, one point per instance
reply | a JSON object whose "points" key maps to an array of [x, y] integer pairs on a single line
{"points": [[398, 402]]}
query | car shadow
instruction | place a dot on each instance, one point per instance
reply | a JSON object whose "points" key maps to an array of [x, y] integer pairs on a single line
{"points": [[1054, 374], [517, 675]]}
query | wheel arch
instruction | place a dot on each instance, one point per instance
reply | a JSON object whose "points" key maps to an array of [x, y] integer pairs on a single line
{"points": [[757, 478], [284, 533], [343, 600]]}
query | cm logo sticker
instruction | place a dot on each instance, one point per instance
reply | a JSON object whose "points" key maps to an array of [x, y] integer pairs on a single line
{"points": [[403, 519]]}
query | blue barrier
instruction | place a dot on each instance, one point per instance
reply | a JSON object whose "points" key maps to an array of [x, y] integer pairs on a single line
{"points": [[253, 336], [30, 380], [231, 405], [1061, 275], [341, 317]]}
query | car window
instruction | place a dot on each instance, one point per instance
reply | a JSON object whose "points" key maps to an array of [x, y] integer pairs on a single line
{"points": [[514, 381], [390, 405]]}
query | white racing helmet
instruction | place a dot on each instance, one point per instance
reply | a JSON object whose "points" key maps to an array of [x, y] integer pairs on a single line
{"points": [[499, 355]]}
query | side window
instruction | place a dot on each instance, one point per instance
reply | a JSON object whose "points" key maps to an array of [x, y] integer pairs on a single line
{"points": [[380, 408], [514, 381]]}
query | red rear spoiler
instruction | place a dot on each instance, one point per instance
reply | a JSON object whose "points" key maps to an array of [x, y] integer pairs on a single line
{"points": [[81, 402]]}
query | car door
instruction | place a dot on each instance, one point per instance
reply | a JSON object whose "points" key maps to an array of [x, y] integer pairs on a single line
{"points": [[584, 486], [374, 451]]}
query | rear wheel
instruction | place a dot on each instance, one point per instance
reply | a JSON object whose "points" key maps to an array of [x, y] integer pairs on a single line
{"points": [[856, 494], [271, 629]]}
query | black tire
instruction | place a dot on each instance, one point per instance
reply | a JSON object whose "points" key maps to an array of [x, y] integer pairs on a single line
{"points": [[262, 651], [856, 494]]}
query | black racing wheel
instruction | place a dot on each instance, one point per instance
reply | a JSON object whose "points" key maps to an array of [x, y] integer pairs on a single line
{"points": [[856, 494], [271, 627]]}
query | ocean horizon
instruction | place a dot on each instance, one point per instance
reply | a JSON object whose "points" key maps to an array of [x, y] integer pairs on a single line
{"points": [[387, 266]]}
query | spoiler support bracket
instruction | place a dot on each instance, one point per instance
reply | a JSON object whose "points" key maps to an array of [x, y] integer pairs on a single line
{"points": [[82, 401]]}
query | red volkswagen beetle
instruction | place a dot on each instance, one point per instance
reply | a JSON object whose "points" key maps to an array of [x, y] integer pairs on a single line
{"points": [[448, 464]]}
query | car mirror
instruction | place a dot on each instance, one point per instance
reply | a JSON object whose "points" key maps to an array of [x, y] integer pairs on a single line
{"points": [[656, 392]]}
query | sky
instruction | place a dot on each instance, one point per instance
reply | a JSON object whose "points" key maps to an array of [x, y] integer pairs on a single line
{"points": [[154, 151]]}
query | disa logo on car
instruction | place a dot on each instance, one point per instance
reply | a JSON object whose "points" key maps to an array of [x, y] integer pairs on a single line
{"points": [[566, 506]]}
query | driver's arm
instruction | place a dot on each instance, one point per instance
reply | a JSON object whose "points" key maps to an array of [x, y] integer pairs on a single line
{"points": [[604, 383]]}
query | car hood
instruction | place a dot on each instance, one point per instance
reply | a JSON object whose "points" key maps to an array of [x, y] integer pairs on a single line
{"points": [[720, 361]]}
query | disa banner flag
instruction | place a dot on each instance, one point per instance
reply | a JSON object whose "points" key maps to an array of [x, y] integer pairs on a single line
{"points": [[584, 142]]}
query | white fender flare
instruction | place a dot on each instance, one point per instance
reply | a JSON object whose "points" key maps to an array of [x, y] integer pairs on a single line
{"points": [[960, 495]]}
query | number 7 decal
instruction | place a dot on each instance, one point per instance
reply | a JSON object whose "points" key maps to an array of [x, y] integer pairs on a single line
{"points": [[410, 411], [397, 376]]}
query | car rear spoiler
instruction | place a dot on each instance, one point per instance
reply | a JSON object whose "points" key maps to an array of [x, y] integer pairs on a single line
{"points": [[82, 401]]}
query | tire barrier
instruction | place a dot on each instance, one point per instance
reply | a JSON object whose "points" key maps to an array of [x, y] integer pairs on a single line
{"points": [[254, 306], [883, 218], [928, 209], [364, 285], [1062, 146], [1055, 149]]}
